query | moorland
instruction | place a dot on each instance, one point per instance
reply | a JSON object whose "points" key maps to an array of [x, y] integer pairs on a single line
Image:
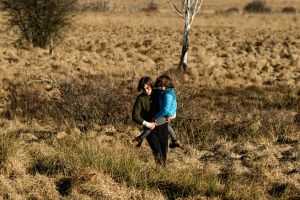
{"points": [[65, 118]]}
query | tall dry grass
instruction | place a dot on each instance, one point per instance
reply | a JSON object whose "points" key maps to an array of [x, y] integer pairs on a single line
{"points": [[209, 117], [65, 119]]}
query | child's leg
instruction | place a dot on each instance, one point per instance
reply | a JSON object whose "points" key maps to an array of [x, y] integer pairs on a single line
{"points": [[171, 132], [145, 133]]}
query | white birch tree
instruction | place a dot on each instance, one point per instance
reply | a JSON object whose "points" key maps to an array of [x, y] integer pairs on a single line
{"points": [[189, 9], [135, 6]]}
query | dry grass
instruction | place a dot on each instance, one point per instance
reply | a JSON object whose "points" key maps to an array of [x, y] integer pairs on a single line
{"points": [[238, 107]]}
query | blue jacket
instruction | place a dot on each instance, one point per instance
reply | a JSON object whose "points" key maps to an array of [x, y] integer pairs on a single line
{"points": [[167, 103]]}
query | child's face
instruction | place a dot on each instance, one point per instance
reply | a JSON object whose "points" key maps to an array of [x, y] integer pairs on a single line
{"points": [[147, 90], [162, 87]]}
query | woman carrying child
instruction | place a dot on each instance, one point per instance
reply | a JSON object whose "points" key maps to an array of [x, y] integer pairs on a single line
{"points": [[168, 107], [145, 108]]}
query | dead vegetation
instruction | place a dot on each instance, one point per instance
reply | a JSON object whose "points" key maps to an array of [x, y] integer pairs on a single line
{"points": [[65, 118]]}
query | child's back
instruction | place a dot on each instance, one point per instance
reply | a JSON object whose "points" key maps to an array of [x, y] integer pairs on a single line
{"points": [[167, 103]]}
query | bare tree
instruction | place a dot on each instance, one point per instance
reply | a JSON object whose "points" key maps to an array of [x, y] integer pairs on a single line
{"points": [[87, 4], [39, 20], [189, 10], [106, 5], [51, 45], [135, 6]]}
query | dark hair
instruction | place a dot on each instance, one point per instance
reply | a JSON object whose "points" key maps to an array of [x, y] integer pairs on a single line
{"points": [[145, 81], [164, 81]]}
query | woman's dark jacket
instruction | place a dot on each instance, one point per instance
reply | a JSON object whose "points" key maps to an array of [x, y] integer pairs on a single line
{"points": [[145, 107]]}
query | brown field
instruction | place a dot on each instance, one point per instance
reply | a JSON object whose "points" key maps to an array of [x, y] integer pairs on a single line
{"points": [[65, 118]]}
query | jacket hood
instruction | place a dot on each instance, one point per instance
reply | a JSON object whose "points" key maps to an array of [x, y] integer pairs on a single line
{"points": [[170, 91]]}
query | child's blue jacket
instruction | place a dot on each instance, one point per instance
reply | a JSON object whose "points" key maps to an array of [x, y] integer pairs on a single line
{"points": [[167, 103]]}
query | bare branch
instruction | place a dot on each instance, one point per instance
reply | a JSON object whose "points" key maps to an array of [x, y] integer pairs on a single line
{"points": [[177, 11], [182, 4], [199, 6], [52, 82], [192, 6], [49, 81], [195, 3], [196, 9]]}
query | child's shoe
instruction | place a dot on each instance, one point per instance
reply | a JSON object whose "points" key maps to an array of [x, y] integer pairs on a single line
{"points": [[175, 144]]}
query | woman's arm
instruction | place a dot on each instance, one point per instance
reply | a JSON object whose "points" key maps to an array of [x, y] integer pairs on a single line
{"points": [[136, 115], [137, 110], [149, 125]]}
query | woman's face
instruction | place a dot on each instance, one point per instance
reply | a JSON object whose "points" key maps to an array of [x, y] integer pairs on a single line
{"points": [[147, 90]]}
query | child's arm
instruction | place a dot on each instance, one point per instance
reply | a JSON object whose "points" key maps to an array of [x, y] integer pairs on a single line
{"points": [[166, 106], [171, 118]]}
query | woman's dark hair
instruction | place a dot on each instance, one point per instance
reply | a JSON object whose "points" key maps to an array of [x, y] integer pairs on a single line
{"points": [[164, 81], [145, 81]]}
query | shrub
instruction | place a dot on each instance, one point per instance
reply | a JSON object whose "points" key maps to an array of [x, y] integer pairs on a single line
{"points": [[256, 7], [39, 20], [289, 10], [79, 104]]}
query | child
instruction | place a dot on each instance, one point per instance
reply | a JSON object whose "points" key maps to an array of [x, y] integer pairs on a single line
{"points": [[168, 106]]}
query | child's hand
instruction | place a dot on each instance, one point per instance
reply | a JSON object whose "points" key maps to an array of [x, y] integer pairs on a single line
{"points": [[170, 118], [154, 119], [153, 125]]}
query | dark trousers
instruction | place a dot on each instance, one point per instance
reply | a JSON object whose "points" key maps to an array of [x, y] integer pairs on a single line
{"points": [[158, 141]]}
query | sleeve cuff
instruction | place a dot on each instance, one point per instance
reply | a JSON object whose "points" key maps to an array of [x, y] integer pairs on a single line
{"points": [[146, 124]]}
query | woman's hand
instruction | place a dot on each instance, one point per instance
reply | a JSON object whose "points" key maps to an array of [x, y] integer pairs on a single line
{"points": [[152, 126]]}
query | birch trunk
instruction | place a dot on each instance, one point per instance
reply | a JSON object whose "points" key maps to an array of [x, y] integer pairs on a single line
{"points": [[103, 4], [135, 6], [185, 45], [185, 48]]}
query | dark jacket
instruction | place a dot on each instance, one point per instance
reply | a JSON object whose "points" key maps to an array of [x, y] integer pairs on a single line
{"points": [[145, 107]]}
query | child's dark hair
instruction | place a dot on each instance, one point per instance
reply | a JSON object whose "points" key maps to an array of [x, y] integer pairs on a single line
{"points": [[145, 81], [164, 81]]}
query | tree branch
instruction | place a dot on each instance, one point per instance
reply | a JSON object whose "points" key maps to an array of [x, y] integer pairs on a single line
{"points": [[177, 11], [196, 9]]}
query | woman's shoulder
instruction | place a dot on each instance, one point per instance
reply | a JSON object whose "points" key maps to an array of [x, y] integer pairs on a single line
{"points": [[141, 96]]}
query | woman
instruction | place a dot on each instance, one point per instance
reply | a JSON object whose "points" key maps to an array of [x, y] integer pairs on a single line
{"points": [[145, 108]]}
